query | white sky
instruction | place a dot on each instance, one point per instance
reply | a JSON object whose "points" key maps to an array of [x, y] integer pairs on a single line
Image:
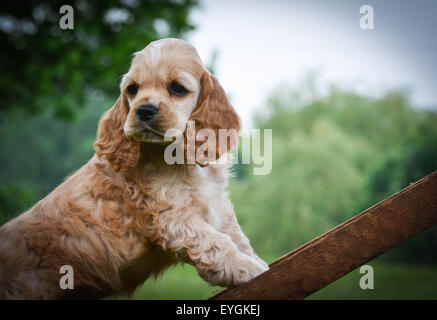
{"points": [[262, 44]]}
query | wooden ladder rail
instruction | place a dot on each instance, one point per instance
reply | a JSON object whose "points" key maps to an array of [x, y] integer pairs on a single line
{"points": [[342, 249]]}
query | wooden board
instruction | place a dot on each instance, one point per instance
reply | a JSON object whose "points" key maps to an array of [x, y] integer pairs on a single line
{"points": [[345, 247]]}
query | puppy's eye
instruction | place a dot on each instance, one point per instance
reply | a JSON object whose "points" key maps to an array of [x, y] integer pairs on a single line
{"points": [[177, 89], [132, 89]]}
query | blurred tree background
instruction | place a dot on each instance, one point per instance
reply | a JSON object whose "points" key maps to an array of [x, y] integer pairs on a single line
{"points": [[43, 66], [334, 154]]}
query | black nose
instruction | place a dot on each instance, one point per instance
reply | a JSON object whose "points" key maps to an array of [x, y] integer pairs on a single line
{"points": [[146, 112]]}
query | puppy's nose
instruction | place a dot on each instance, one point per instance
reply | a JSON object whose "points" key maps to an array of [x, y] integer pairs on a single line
{"points": [[146, 112]]}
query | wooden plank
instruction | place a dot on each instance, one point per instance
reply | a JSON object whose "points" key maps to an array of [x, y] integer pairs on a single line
{"points": [[351, 244]]}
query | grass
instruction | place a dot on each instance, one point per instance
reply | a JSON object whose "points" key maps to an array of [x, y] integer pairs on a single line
{"points": [[176, 283], [391, 281]]}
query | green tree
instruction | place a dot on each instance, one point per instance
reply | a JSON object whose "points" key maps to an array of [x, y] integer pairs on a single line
{"points": [[46, 67], [334, 155]]}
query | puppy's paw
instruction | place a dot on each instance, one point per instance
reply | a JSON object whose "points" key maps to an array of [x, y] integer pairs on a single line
{"points": [[253, 268], [262, 262], [235, 270]]}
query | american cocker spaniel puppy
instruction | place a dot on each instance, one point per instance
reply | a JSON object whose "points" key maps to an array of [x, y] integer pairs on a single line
{"points": [[127, 214]]}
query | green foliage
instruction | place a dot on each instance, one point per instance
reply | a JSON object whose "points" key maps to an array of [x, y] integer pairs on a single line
{"points": [[334, 155], [14, 199], [39, 152], [44, 67]]}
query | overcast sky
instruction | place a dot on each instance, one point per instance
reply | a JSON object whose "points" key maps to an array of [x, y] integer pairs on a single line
{"points": [[262, 44]]}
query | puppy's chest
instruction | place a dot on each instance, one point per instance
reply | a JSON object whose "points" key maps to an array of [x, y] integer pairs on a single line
{"points": [[200, 193]]}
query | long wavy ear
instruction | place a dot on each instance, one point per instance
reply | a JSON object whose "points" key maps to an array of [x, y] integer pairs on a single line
{"points": [[215, 112], [112, 144]]}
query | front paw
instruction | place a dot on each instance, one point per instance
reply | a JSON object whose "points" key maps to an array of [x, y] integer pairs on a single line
{"points": [[254, 268], [243, 269], [262, 262], [235, 270]]}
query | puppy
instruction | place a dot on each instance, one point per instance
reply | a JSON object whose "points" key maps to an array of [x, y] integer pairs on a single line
{"points": [[127, 214]]}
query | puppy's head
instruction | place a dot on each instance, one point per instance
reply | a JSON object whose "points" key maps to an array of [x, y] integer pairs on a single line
{"points": [[165, 87]]}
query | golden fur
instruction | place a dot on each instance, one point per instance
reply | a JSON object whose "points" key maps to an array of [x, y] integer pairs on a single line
{"points": [[126, 214]]}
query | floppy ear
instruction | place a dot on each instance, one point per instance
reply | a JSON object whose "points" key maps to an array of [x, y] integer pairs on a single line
{"points": [[215, 112], [112, 144]]}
